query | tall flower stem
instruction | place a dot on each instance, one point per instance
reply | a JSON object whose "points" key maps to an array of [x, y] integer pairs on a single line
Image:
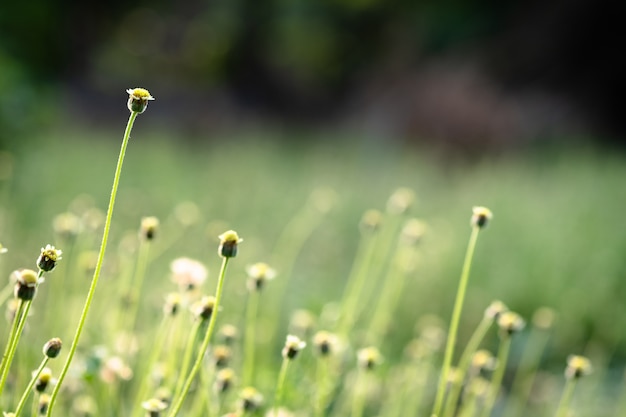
{"points": [[280, 387], [96, 274], [205, 343], [7, 350], [251, 313], [566, 398], [20, 405], [496, 381], [14, 340], [454, 323]]}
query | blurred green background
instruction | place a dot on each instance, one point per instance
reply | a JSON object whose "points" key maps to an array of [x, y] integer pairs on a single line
{"points": [[511, 105]]}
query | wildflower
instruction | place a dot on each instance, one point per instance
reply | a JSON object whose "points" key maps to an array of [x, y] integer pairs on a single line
{"points": [[577, 366], [258, 274], [48, 258], [250, 399], [224, 380], [154, 406], [400, 201], [43, 403], [138, 99], [480, 217], [26, 281], [370, 222], [228, 244], [172, 304], [221, 356], [368, 358], [228, 334], [67, 225], [52, 348], [510, 322], [188, 273], [149, 226], [495, 309], [43, 380], [293, 345], [324, 342], [483, 360], [203, 308], [3, 249]]}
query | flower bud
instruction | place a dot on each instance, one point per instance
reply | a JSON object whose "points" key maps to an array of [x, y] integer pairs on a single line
{"points": [[368, 358], [26, 281], [228, 334], [250, 399], [577, 366], [42, 404], [138, 99], [510, 323], [224, 380], [480, 217], [258, 274], [52, 348], [221, 356], [48, 258], [203, 308], [400, 201], [494, 310], [228, 244], [43, 380], [325, 343], [172, 304], [293, 345], [149, 227]]}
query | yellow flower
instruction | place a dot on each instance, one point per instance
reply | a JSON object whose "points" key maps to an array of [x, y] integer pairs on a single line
{"points": [[138, 99]]}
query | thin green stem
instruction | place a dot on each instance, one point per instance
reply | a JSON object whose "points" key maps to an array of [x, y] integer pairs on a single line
{"points": [[358, 398], [96, 274], [251, 313], [184, 366], [566, 398], [496, 381], [321, 386], [454, 323], [464, 362], [7, 350], [29, 388], [280, 386], [205, 343], [140, 273]]}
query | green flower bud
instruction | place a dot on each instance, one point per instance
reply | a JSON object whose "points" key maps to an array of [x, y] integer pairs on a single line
{"points": [[228, 244], [48, 258], [138, 99]]}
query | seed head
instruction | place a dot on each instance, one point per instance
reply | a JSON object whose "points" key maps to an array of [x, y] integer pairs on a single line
{"points": [[480, 217], [149, 227], [203, 308], [154, 406], [48, 258], [228, 244], [43, 380], [577, 366], [325, 343], [258, 274], [510, 323], [52, 348], [368, 358], [138, 99], [224, 380], [293, 345], [400, 201], [494, 310], [26, 281], [250, 399]]}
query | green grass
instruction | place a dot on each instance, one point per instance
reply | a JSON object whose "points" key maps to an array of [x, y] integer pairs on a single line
{"points": [[556, 240]]}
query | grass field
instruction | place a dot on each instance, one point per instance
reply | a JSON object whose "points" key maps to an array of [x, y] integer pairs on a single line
{"points": [[556, 240]]}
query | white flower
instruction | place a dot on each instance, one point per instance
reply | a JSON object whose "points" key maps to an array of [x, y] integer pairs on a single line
{"points": [[188, 273]]}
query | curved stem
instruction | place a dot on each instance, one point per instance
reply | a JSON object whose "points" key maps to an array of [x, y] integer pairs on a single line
{"points": [[96, 274], [205, 343], [454, 323], [6, 363]]}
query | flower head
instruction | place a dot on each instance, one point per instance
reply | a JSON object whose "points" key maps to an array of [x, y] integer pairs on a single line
{"points": [[250, 399], [43, 380], [480, 217], [138, 99], [325, 342], [293, 345], [369, 357], [52, 348], [149, 227], [154, 406], [229, 241], [577, 366], [510, 322], [188, 273], [26, 281], [48, 258], [400, 201], [224, 380], [258, 274]]}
